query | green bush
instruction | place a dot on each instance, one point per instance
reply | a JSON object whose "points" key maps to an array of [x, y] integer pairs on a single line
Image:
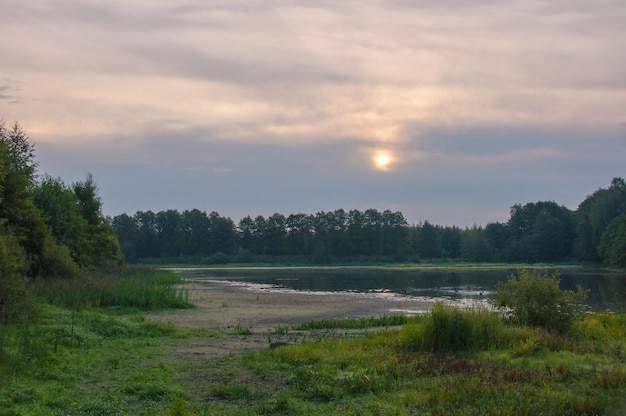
{"points": [[535, 299], [57, 261], [448, 329]]}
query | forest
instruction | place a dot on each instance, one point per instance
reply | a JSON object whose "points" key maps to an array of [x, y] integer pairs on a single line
{"points": [[541, 231]]}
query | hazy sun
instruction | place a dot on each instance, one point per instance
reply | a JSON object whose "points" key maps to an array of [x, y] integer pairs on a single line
{"points": [[382, 160]]}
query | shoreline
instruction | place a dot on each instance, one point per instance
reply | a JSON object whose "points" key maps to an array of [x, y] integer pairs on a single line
{"points": [[222, 304], [265, 315]]}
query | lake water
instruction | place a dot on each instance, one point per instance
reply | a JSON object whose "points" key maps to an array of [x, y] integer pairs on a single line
{"points": [[606, 290]]}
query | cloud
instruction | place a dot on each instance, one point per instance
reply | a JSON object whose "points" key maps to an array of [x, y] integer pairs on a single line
{"points": [[9, 91], [3, 90], [285, 102]]}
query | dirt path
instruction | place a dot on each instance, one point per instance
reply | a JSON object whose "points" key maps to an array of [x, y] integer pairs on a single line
{"points": [[234, 307]]}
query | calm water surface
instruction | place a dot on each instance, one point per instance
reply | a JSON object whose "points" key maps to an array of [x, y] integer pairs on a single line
{"points": [[606, 290]]}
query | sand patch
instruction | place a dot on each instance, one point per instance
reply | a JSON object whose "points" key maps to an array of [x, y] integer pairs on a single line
{"points": [[230, 307]]}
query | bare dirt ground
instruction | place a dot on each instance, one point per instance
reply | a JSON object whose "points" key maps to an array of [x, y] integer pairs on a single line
{"points": [[231, 308]]}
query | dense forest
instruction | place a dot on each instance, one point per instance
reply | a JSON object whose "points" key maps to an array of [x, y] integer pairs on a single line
{"points": [[535, 232]]}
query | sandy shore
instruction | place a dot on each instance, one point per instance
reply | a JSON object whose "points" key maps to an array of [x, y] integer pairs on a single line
{"points": [[225, 306]]}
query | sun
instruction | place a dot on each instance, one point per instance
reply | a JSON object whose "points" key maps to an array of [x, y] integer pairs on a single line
{"points": [[382, 160]]}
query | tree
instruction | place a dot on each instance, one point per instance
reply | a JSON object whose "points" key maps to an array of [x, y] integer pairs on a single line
{"points": [[58, 228], [17, 209], [427, 241], [330, 229], [612, 246], [248, 235], [497, 235], [127, 232], [168, 230], [18, 172], [62, 213], [299, 234], [475, 246], [550, 238], [451, 242], [540, 231], [594, 215], [274, 235], [394, 238], [101, 244], [223, 234], [147, 238], [196, 233]]}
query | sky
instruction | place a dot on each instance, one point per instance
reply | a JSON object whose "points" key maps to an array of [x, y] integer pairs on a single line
{"points": [[449, 111]]}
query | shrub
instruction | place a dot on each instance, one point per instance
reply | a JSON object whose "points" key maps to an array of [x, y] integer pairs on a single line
{"points": [[57, 261], [535, 299], [448, 329]]}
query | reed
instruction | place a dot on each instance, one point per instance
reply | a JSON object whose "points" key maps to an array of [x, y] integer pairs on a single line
{"points": [[139, 288]]}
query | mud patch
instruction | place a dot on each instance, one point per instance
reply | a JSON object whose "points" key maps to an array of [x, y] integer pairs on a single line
{"points": [[232, 309]]}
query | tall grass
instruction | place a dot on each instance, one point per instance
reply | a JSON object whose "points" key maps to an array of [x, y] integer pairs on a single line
{"points": [[139, 288], [358, 323], [447, 329]]}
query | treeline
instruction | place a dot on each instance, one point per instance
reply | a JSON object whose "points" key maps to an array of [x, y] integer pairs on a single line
{"points": [[535, 232], [47, 228]]}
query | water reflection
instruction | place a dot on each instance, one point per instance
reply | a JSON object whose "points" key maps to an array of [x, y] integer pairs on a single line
{"points": [[606, 290]]}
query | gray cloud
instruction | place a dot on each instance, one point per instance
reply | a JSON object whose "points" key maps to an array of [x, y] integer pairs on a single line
{"points": [[3, 92], [262, 178], [9, 91], [253, 108]]}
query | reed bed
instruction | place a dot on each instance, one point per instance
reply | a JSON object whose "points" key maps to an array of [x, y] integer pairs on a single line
{"points": [[139, 288]]}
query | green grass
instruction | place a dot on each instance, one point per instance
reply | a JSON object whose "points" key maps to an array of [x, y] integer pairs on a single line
{"points": [[358, 323], [123, 365], [583, 372], [447, 362], [126, 289], [100, 365], [448, 265]]}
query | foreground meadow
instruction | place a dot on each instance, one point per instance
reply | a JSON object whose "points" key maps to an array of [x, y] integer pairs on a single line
{"points": [[109, 359]]}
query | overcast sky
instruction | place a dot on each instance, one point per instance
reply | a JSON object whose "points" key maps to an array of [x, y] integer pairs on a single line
{"points": [[256, 107]]}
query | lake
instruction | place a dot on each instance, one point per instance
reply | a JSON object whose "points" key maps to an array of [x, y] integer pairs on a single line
{"points": [[607, 290]]}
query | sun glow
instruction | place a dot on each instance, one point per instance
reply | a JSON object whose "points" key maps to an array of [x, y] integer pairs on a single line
{"points": [[382, 160]]}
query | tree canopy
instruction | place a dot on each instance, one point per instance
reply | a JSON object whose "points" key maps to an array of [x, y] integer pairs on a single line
{"points": [[47, 227], [542, 231]]}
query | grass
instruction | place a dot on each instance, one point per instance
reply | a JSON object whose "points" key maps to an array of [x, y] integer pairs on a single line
{"points": [[583, 372], [124, 365], [447, 362], [430, 265], [134, 288], [100, 365], [359, 323]]}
